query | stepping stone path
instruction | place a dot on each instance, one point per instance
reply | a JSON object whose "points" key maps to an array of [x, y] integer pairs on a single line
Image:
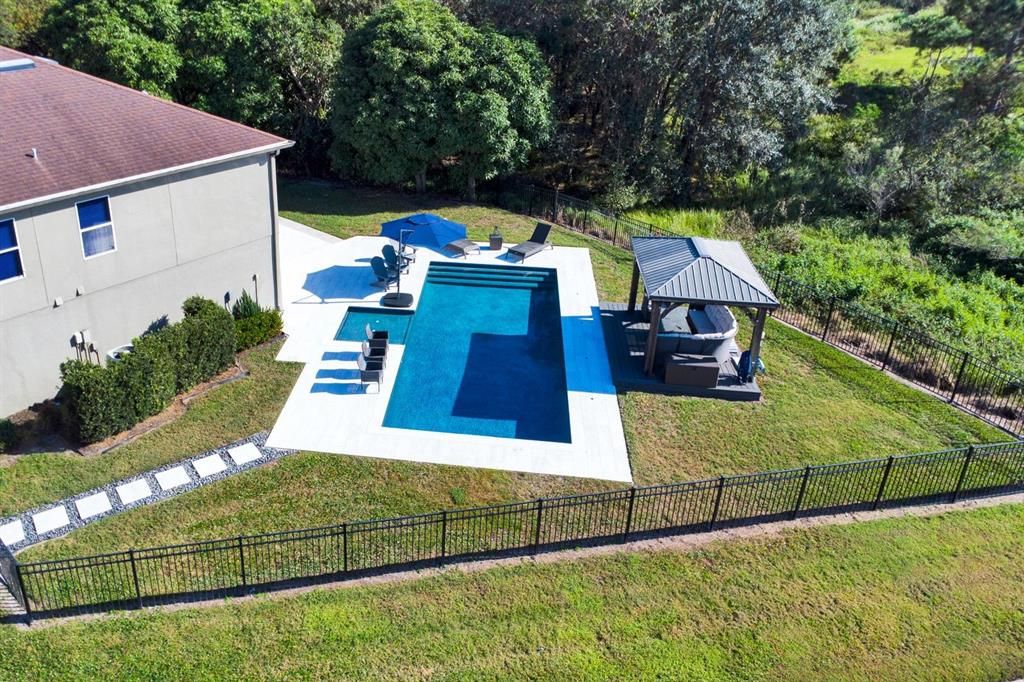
{"points": [[56, 519]]}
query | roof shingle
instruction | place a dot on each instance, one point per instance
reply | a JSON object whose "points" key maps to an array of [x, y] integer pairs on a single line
{"points": [[88, 131]]}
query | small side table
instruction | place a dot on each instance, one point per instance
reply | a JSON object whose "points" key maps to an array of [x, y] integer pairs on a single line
{"points": [[496, 242]]}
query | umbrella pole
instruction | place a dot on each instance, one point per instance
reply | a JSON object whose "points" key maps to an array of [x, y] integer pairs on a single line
{"points": [[397, 299]]}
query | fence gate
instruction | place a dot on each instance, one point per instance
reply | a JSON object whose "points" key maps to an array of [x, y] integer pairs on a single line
{"points": [[12, 600]]}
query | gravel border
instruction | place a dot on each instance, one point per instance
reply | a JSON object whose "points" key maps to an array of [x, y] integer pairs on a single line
{"points": [[156, 492]]}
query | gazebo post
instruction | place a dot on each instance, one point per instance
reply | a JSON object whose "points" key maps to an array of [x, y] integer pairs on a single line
{"points": [[634, 284], [652, 338], [755, 341]]}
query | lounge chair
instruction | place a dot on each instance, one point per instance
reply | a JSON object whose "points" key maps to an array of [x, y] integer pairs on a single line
{"points": [[370, 372], [393, 260], [378, 354], [385, 277], [535, 244], [462, 247], [376, 338]]}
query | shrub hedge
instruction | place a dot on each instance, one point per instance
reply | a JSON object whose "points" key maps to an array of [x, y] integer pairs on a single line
{"points": [[255, 329], [101, 401], [253, 325]]}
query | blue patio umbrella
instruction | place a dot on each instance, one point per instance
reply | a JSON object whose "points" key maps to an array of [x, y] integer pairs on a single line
{"points": [[429, 230]]}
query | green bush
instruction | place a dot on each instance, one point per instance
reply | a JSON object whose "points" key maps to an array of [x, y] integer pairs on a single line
{"points": [[95, 406], [9, 436], [101, 401], [208, 339], [255, 329], [245, 307]]}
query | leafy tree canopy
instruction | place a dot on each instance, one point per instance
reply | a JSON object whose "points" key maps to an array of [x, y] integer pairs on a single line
{"points": [[128, 41], [418, 88]]}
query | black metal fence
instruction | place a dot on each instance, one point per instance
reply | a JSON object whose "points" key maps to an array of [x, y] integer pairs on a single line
{"points": [[956, 375], [9, 579], [141, 577]]}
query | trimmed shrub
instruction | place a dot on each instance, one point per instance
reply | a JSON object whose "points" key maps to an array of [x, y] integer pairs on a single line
{"points": [[146, 376], [101, 401], [9, 436], [255, 329], [208, 342], [95, 406]]}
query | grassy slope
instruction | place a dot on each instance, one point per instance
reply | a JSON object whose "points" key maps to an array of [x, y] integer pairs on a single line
{"points": [[819, 406], [942, 601]]}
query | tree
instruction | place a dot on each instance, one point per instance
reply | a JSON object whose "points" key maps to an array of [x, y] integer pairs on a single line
{"points": [[502, 109], [418, 88], [127, 41], [675, 94]]}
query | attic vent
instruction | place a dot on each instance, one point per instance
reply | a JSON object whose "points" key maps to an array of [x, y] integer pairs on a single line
{"points": [[16, 65]]}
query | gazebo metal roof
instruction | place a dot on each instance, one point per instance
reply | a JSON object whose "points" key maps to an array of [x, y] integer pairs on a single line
{"points": [[699, 270]]}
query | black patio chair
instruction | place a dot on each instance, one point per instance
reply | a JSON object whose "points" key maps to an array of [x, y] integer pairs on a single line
{"points": [[377, 338], [535, 244], [370, 371]]}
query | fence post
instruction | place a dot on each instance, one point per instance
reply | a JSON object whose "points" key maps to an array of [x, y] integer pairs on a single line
{"points": [[629, 513], [27, 605], [778, 280], [615, 231], [718, 503], [444, 532], [885, 481], [586, 218], [241, 560], [135, 576], [959, 376], [892, 342], [828, 319], [554, 207], [529, 211], [536, 534], [344, 547], [963, 473], [803, 489]]}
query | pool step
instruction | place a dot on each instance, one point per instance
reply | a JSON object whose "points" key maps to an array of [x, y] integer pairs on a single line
{"points": [[498, 276], [494, 284]]}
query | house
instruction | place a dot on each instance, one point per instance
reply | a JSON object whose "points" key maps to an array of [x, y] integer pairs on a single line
{"points": [[115, 206]]}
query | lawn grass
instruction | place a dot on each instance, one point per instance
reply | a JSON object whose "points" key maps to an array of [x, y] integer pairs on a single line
{"points": [[908, 599], [819, 406]]}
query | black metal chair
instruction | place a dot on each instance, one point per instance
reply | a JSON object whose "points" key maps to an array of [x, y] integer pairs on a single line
{"points": [[377, 338], [370, 371], [378, 354]]}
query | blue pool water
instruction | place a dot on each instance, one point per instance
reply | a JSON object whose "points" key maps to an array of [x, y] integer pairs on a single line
{"points": [[484, 356], [353, 327]]}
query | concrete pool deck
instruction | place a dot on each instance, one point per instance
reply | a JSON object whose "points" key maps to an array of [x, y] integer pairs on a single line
{"points": [[328, 411]]}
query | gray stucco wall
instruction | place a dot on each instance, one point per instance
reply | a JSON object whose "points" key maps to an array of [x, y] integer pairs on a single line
{"points": [[207, 232]]}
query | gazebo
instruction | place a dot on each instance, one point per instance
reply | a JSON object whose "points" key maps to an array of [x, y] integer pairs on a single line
{"points": [[696, 272]]}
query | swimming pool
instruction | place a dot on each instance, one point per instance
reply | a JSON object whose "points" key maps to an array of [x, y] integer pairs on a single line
{"points": [[484, 355], [395, 322]]}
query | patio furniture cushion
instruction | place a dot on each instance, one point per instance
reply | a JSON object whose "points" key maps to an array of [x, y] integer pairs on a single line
{"points": [[714, 322], [537, 242]]}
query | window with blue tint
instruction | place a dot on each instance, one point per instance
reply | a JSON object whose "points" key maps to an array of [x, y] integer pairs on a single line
{"points": [[10, 254], [96, 226]]}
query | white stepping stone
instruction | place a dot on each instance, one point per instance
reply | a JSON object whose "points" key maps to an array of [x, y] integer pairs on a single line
{"points": [[172, 478], [134, 491], [209, 465], [243, 454], [11, 533], [93, 505], [51, 519]]}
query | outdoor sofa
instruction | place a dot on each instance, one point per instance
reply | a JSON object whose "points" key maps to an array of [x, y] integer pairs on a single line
{"points": [[707, 331]]}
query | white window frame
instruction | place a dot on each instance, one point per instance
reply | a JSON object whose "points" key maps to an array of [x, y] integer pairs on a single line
{"points": [[16, 247], [91, 228]]}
